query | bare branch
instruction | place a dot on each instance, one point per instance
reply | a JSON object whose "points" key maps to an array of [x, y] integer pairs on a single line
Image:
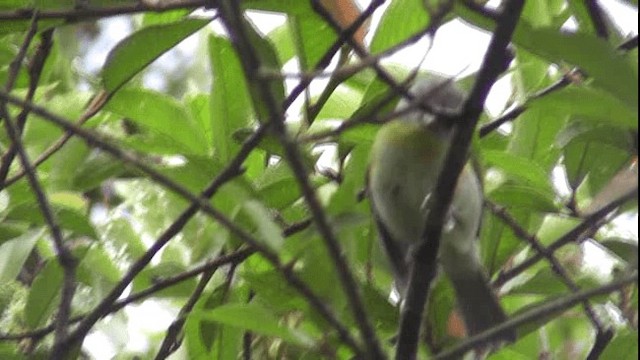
{"points": [[63, 255], [496, 60], [233, 20]]}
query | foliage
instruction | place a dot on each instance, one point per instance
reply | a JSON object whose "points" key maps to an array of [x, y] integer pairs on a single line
{"points": [[244, 266]]}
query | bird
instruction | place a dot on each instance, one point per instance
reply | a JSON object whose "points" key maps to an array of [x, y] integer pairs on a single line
{"points": [[405, 161]]}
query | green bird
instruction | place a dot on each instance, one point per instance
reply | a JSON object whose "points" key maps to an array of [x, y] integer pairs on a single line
{"points": [[405, 161]]}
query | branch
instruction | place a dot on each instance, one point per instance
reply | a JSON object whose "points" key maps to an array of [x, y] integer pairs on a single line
{"points": [[235, 24], [324, 61], [502, 214], [171, 341], [496, 60], [545, 309], [181, 191], [96, 104], [63, 255], [566, 80], [598, 18], [572, 236], [86, 13]]}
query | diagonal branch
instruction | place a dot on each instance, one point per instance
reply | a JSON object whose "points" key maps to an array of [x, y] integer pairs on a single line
{"points": [[591, 222], [235, 24], [496, 60], [545, 309], [35, 70], [502, 214], [287, 272], [63, 255]]}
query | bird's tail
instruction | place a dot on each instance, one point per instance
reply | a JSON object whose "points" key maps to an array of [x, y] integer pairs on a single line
{"points": [[479, 305]]}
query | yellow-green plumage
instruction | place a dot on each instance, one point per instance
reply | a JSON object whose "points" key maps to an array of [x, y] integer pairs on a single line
{"points": [[406, 158]]}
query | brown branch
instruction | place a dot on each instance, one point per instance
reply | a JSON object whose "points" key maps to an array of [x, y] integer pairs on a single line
{"points": [[234, 22], [63, 255], [543, 310], [496, 60]]}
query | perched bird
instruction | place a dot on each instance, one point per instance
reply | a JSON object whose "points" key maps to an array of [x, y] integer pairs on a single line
{"points": [[405, 161]]}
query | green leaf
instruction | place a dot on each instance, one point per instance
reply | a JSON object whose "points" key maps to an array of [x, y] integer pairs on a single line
{"points": [[599, 59], [624, 346], [163, 116], [591, 103], [525, 196], [554, 226], [67, 217], [43, 297], [520, 168], [98, 262], [260, 216], [401, 20], [257, 319], [96, 168], [139, 49], [230, 104], [268, 60], [14, 253], [625, 249]]}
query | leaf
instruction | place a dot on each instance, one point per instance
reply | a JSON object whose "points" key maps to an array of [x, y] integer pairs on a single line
{"points": [[43, 296], [257, 319], [599, 59], [625, 249], [268, 231], [14, 253], [624, 346], [96, 168], [401, 20], [230, 104], [163, 116], [68, 218], [139, 49], [519, 167], [591, 103], [510, 195]]}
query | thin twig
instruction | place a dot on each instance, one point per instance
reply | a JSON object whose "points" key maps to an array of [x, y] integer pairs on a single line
{"points": [[577, 233], [96, 104], [502, 214], [496, 60], [172, 339], [332, 51]]}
